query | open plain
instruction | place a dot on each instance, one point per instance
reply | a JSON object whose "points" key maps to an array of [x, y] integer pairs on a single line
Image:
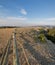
{"points": [[24, 46]]}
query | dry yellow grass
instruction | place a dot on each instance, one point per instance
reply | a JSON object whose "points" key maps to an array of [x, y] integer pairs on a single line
{"points": [[5, 34], [29, 51]]}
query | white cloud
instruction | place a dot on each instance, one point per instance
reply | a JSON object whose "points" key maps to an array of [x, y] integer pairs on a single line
{"points": [[17, 18], [23, 21], [23, 11], [50, 19], [46, 19], [17, 21], [46, 23], [43, 21]]}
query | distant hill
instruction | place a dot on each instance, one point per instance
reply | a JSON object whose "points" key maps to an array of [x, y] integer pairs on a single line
{"points": [[9, 27]]}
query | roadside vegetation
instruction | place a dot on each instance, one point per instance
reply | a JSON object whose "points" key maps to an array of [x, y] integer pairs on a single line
{"points": [[41, 37], [38, 35], [51, 35]]}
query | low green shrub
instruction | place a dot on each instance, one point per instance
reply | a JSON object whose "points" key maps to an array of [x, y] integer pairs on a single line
{"points": [[41, 37]]}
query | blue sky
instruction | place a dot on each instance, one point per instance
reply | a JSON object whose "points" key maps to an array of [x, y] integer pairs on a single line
{"points": [[27, 12]]}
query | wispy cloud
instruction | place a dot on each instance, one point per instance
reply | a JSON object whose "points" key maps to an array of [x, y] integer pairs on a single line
{"points": [[50, 19], [23, 11], [17, 18], [23, 21], [46, 19], [43, 21], [17, 21]]}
